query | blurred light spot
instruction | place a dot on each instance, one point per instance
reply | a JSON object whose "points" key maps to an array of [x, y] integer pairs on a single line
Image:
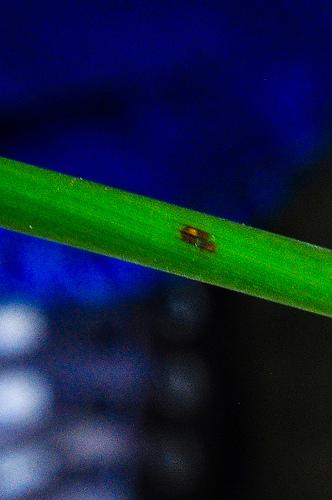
{"points": [[179, 464], [22, 329], [90, 442], [26, 469], [25, 397], [184, 385], [188, 307]]}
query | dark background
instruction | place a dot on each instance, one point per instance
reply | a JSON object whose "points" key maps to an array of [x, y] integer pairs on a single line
{"points": [[120, 382]]}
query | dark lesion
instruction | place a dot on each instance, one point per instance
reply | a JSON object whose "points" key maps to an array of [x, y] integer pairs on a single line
{"points": [[198, 238]]}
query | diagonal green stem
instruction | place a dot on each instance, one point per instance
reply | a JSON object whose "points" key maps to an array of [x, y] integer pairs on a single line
{"points": [[127, 226]]}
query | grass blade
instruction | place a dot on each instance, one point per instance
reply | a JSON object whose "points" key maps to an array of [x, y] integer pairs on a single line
{"points": [[101, 219]]}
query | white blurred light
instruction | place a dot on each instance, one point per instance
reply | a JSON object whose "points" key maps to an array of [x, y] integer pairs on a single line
{"points": [[24, 470], [188, 307], [22, 329], [25, 397], [185, 385], [91, 441], [179, 464]]}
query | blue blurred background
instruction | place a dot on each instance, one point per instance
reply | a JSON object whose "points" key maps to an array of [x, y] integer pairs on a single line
{"points": [[221, 107]]}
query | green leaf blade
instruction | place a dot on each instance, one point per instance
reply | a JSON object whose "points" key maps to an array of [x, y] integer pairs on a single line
{"points": [[101, 219]]}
